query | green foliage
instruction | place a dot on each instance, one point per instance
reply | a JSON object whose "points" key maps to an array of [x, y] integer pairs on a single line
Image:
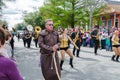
{"points": [[20, 26], [66, 13], [94, 9], [1, 4], [34, 19], [61, 11], [3, 22], [70, 12]]}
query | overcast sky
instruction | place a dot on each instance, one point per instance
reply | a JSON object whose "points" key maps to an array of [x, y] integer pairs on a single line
{"points": [[13, 10]]}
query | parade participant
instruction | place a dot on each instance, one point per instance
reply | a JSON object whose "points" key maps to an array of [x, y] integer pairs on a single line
{"points": [[49, 43], [77, 39], [8, 69], [23, 37], [116, 46], [64, 47], [60, 31], [35, 35], [36, 32], [28, 37], [95, 36]]}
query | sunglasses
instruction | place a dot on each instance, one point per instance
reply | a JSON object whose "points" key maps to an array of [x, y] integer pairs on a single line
{"points": [[49, 24]]}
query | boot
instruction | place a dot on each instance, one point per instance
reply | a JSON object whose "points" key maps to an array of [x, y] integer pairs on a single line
{"points": [[71, 62], [117, 58], [61, 63], [78, 53], [113, 58]]}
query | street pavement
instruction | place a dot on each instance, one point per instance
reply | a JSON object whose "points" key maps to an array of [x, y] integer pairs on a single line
{"points": [[87, 67]]}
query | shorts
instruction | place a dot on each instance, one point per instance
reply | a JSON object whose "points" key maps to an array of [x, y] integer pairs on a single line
{"points": [[66, 48], [116, 46]]}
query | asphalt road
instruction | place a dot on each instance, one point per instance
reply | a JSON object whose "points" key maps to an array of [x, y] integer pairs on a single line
{"points": [[87, 67]]}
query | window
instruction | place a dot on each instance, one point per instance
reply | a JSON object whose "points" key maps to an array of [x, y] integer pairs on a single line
{"points": [[109, 23], [104, 23], [116, 23]]}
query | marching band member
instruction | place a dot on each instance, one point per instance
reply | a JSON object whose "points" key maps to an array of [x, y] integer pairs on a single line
{"points": [[35, 35], [116, 46], [28, 37], [60, 31], [64, 47], [23, 37], [95, 36], [77, 39]]}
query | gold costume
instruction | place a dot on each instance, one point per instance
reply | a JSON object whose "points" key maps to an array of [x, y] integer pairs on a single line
{"points": [[63, 43], [116, 41]]}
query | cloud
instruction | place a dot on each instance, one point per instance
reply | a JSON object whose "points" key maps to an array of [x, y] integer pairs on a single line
{"points": [[12, 13]]}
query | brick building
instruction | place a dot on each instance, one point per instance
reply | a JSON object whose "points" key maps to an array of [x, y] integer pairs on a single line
{"points": [[111, 15]]}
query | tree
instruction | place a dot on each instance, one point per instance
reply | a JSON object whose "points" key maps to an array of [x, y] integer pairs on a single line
{"points": [[2, 3], [20, 26], [71, 12], [63, 12], [93, 7], [34, 19], [3, 22]]}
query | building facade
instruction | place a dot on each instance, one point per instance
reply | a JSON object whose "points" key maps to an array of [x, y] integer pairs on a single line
{"points": [[111, 15]]}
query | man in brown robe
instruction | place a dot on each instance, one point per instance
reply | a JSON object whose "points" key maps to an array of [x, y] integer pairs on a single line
{"points": [[49, 42]]}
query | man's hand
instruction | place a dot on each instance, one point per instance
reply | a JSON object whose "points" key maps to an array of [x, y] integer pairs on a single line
{"points": [[55, 47]]}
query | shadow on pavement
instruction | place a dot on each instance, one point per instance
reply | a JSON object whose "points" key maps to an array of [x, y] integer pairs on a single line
{"points": [[89, 59]]}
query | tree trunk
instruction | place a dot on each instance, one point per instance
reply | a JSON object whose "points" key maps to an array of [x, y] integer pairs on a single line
{"points": [[73, 15]]}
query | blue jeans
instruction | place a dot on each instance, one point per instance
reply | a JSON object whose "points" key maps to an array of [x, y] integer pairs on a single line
{"points": [[107, 47], [103, 44], [91, 42]]}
